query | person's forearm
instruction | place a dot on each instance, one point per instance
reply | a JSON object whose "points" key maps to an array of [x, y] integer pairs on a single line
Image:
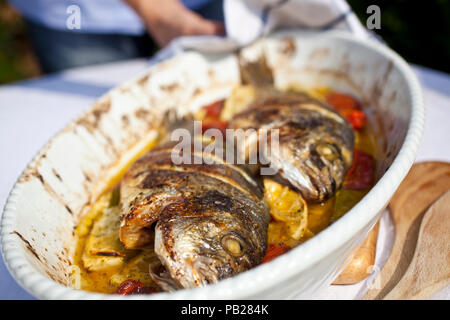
{"points": [[136, 5], [169, 19], [133, 3], [153, 9]]}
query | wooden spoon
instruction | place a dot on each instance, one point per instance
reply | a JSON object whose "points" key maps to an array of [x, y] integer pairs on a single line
{"points": [[429, 270], [425, 182], [363, 258]]}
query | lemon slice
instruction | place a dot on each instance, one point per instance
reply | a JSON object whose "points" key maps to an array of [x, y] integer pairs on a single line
{"points": [[285, 204]]}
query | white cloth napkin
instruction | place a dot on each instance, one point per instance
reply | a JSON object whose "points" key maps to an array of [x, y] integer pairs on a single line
{"points": [[247, 20]]}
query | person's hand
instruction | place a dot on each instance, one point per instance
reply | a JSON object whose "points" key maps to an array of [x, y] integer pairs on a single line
{"points": [[169, 19]]}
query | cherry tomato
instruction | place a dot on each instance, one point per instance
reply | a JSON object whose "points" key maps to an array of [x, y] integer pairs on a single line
{"points": [[348, 107], [342, 101], [357, 119], [214, 109], [214, 124], [275, 250], [129, 287], [360, 175]]}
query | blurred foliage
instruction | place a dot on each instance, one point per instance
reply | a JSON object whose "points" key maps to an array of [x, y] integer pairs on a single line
{"points": [[418, 30], [17, 60]]}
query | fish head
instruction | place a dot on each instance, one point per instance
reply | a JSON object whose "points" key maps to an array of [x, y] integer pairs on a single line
{"points": [[201, 250], [314, 161]]}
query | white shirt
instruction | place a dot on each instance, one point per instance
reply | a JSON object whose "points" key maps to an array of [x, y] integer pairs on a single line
{"points": [[96, 16]]}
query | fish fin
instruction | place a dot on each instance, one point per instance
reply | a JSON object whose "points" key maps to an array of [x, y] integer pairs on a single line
{"points": [[257, 73]]}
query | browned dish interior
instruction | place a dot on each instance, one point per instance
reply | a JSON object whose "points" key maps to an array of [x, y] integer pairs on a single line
{"points": [[112, 268]]}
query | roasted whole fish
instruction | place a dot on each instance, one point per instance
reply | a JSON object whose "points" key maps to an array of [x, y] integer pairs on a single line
{"points": [[209, 220], [315, 142]]}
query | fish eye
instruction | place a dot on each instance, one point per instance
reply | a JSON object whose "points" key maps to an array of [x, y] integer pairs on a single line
{"points": [[233, 245], [328, 151]]}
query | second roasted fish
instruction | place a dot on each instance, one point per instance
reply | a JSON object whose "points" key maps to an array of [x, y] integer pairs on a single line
{"points": [[315, 143]]}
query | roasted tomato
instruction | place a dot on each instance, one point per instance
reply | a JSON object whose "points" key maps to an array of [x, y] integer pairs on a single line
{"points": [[275, 250], [214, 124], [342, 101], [360, 175], [357, 119], [214, 109], [133, 287], [348, 107], [212, 117]]}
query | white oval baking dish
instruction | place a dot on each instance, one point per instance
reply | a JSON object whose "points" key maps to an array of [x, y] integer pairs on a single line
{"points": [[37, 230]]}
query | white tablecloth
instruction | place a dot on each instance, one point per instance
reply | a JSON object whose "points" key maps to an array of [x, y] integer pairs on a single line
{"points": [[31, 112]]}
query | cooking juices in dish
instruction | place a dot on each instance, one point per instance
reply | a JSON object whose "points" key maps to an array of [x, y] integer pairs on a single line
{"points": [[168, 227], [173, 225]]}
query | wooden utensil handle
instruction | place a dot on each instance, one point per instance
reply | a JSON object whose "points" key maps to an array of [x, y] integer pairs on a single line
{"points": [[424, 184], [429, 270], [363, 259]]}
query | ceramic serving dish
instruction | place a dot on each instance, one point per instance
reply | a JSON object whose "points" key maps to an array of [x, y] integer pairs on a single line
{"points": [[62, 181]]}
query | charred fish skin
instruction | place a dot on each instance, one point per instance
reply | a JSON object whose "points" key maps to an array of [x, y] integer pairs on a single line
{"points": [[154, 181], [315, 142], [210, 221], [210, 237]]}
